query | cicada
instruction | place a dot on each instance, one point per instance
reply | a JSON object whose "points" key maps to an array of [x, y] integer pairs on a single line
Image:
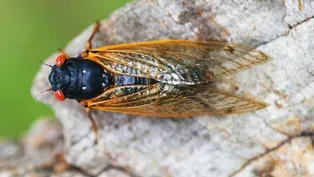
{"points": [[166, 78]]}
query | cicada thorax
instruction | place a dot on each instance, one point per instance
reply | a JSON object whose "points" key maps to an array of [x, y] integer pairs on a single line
{"points": [[76, 78]]}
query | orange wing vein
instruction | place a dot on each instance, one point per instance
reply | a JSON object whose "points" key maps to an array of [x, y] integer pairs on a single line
{"points": [[181, 101], [178, 62]]}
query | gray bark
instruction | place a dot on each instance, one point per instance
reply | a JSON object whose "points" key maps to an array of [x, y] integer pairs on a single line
{"points": [[274, 141]]}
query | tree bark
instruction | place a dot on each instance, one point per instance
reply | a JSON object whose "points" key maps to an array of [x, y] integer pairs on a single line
{"points": [[276, 141]]}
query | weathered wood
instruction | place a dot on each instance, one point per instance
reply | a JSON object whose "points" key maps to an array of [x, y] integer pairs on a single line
{"points": [[276, 140]]}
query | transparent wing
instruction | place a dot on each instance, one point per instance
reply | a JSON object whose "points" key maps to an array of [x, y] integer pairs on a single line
{"points": [[178, 101], [178, 62], [126, 96]]}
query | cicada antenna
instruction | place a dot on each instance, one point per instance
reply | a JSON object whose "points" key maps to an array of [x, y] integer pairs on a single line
{"points": [[42, 92], [44, 63]]}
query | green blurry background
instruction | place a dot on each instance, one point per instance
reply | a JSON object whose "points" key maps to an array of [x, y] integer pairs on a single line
{"points": [[35, 29]]}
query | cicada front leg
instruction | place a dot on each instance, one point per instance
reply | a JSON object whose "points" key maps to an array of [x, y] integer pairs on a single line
{"points": [[88, 45], [95, 30], [94, 126]]}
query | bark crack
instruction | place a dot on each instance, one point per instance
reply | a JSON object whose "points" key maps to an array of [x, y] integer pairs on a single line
{"points": [[286, 33], [271, 127], [81, 171], [122, 169], [286, 141]]}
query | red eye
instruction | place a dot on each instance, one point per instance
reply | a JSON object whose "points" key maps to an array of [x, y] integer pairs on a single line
{"points": [[60, 60], [59, 95]]}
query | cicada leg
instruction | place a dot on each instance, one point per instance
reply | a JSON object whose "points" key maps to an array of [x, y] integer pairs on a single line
{"points": [[94, 126], [95, 30]]}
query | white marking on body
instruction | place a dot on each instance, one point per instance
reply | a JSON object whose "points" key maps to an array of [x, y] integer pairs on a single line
{"points": [[84, 71], [84, 88]]}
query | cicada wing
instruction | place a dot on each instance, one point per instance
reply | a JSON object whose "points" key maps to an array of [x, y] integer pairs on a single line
{"points": [[125, 97], [174, 101], [178, 62]]}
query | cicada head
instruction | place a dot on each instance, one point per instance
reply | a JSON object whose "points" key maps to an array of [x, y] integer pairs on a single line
{"points": [[77, 78]]}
